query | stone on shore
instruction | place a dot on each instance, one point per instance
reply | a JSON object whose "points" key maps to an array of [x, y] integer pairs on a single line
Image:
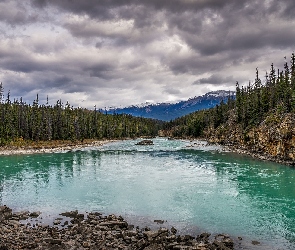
{"points": [[95, 231]]}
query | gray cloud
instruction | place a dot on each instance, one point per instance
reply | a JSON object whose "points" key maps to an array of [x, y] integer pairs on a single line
{"points": [[94, 8], [122, 52], [101, 70], [216, 80], [172, 91], [16, 13]]}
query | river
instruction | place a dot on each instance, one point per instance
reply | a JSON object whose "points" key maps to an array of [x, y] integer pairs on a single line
{"points": [[191, 185]]}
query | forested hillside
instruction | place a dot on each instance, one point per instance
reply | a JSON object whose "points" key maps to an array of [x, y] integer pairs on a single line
{"points": [[22, 121], [261, 119]]}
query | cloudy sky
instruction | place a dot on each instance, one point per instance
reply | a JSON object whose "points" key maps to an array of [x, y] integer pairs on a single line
{"points": [[123, 52]]}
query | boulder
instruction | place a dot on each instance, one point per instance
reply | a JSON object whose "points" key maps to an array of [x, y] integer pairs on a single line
{"points": [[5, 213], [145, 142]]}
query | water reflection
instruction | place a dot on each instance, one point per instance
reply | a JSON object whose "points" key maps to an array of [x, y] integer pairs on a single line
{"points": [[265, 189], [41, 166]]}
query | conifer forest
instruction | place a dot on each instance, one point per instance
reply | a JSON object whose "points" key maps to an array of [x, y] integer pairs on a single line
{"points": [[21, 121], [261, 98]]}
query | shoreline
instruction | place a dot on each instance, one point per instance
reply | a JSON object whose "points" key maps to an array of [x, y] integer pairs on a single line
{"points": [[256, 155], [31, 230], [33, 147], [96, 231], [65, 145], [242, 150], [52, 147]]}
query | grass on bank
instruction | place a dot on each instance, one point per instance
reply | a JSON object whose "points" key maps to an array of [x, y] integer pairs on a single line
{"points": [[20, 143]]}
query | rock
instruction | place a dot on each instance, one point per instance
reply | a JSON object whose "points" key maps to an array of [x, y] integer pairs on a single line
{"points": [[112, 217], [141, 243], [220, 245], [154, 246], [228, 242], [151, 234], [173, 230], [187, 237], [201, 246], [53, 241], [23, 215], [86, 244], [56, 222], [145, 142], [223, 241], [121, 224], [14, 223], [5, 213], [159, 221], [35, 214], [255, 242], [204, 237], [3, 247], [71, 214]]}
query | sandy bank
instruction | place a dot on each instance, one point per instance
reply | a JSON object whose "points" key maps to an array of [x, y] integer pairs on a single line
{"points": [[50, 147]]}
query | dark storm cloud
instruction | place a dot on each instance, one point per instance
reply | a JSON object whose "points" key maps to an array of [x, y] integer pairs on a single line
{"points": [[243, 40], [235, 27], [223, 31], [196, 64], [60, 81], [129, 51], [101, 70], [215, 80], [95, 8], [24, 63], [188, 20], [288, 9]]}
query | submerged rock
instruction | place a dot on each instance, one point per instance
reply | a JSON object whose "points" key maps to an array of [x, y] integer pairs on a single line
{"points": [[159, 221], [145, 142], [255, 242]]}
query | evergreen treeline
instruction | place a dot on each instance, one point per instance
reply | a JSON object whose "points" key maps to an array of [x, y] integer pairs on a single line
{"points": [[276, 94], [35, 122]]}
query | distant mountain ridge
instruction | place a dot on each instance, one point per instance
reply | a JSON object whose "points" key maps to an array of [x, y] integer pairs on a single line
{"points": [[170, 111]]}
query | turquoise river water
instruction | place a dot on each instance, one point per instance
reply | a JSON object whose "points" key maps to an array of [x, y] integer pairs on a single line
{"points": [[193, 186]]}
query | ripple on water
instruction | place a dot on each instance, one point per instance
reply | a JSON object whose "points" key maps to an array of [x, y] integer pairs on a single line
{"points": [[188, 183]]}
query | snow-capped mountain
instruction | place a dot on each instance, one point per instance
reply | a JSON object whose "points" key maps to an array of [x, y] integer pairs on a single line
{"points": [[168, 111]]}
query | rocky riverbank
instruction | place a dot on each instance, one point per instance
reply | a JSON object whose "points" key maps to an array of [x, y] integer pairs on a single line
{"points": [[95, 231], [272, 140], [256, 154], [239, 149]]}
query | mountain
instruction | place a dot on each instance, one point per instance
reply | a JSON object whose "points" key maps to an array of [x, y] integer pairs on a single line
{"points": [[169, 111]]}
